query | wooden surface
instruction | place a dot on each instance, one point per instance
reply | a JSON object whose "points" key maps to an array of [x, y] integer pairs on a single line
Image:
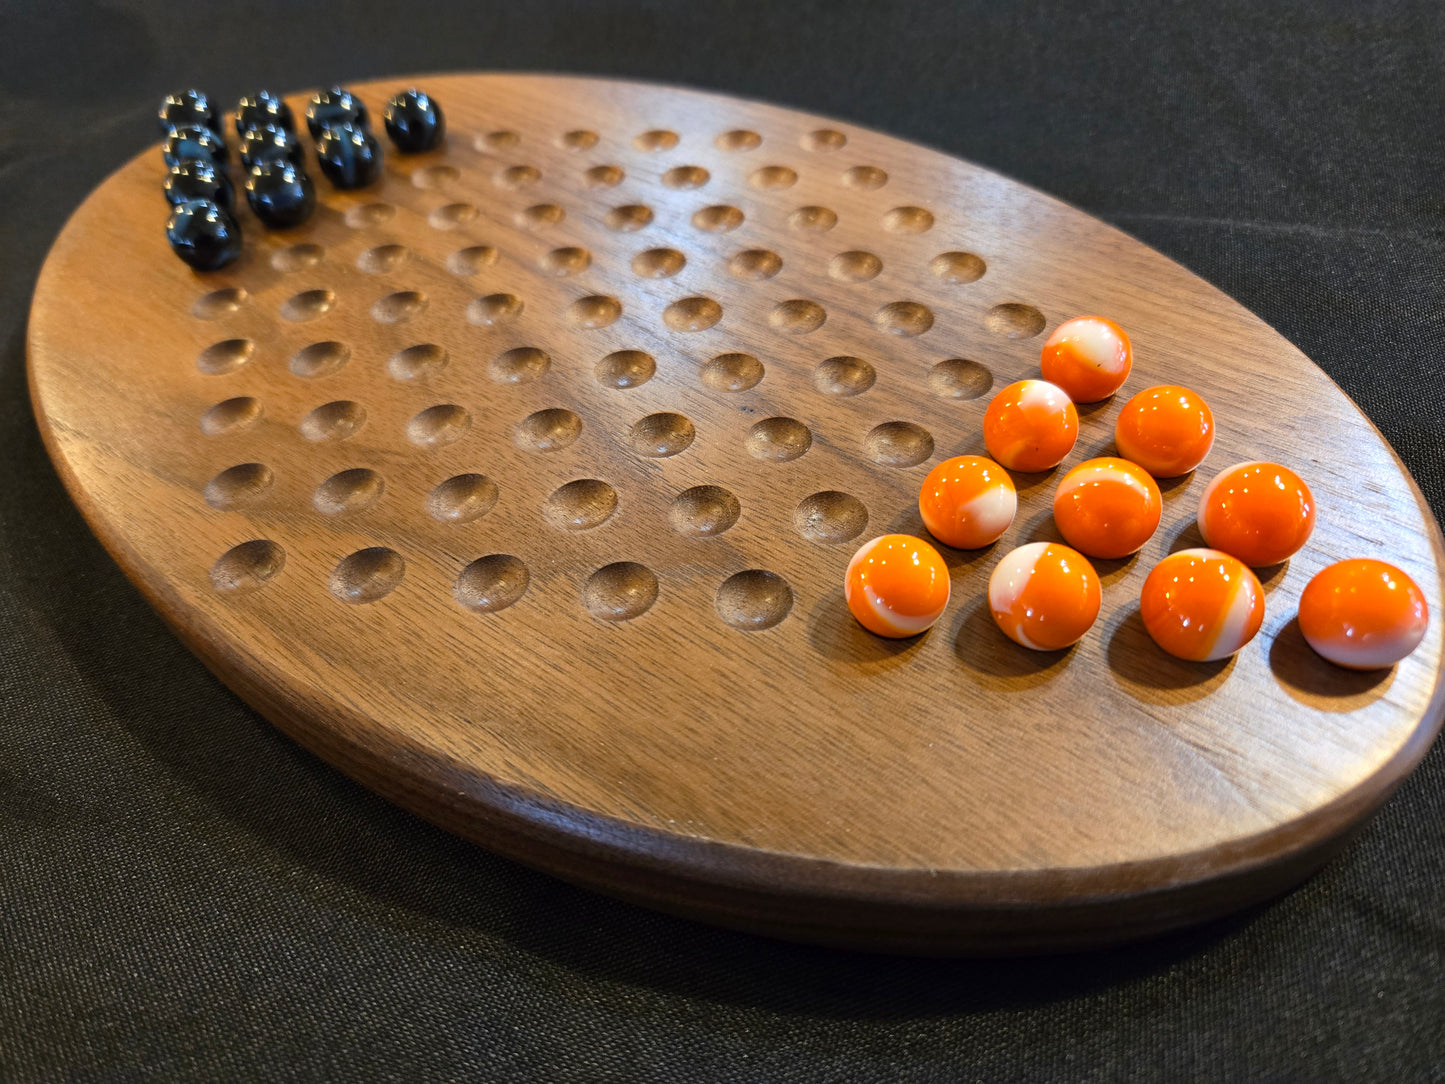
{"points": [[521, 486]]}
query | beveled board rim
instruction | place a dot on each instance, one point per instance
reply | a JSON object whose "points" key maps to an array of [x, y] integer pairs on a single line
{"points": [[541, 820]]}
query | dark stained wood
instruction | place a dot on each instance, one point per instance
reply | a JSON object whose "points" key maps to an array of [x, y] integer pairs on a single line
{"points": [[520, 487]]}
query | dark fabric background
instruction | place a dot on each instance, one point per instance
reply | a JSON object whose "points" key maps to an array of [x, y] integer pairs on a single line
{"points": [[185, 893]]}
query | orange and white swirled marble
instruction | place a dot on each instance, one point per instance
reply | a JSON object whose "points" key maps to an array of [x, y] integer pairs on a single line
{"points": [[896, 585], [1044, 596], [1166, 429], [1107, 507], [1363, 614], [1030, 426], [1089, 357], [1201, 604], [968, 502], [1262, 513]]}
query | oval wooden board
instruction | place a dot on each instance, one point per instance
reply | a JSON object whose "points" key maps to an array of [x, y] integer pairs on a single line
{"points": [[950, 793]]}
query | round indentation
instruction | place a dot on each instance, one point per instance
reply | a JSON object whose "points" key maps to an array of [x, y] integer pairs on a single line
{"points": [[813, 219], [720, 218], [519, 365], [778, 439], [382, 258], [369, 214], [773, 177], [348, 491], [580, 505], [658, 139], [548, 430], [907, 318], [739, 139], [908, 220], [959, 378], [703, 511], [452, 215], [579, 139], [625, 369], [417, 362], [296, 257], [829, 517], [753, 600], [238, 486], [1014, 320], [333, 421], [399, 308], [492, 583], [755, 263], [540, 216], [692, 314], [658, 436], [469, 261], [629, 218], [435, 176], [570, 260], [868, 178], [604, 177], [619, 592], [686, 177], [824, 139], [437, 425], [248, 566], [502, 140], [798, 316], [731, 372], [658, 263], [462, 498], [308, 305], [494, 310], [367, 575], [956, 268], [515, 177], [594, 311], [898, 444], [320, 359], [855, 266], [230, 415], [226, 356], [844, 376], [219, 303]]}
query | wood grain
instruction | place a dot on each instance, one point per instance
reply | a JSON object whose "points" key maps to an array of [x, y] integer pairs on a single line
{"points": [[521, 486]]}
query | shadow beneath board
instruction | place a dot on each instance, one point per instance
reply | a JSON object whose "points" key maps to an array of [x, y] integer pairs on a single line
{"points": [[242, 803]]}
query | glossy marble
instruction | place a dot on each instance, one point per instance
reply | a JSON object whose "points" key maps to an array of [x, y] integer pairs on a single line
{"points": [[896, 585], [414, 121], [203, 235]]}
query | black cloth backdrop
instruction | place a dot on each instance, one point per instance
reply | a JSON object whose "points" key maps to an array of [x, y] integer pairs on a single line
{"points": [[184, 892]]}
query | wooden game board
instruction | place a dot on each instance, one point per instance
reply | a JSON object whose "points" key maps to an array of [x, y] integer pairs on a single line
{"points": [[521, 486]]}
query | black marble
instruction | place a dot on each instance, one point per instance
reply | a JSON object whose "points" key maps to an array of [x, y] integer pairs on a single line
{"points": [[280, 194], [199, 178], [335, 106], [193, 141], [186, 108], [203, 235], [350, 156], [414, 121], [268, 144], [263, 110]]}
